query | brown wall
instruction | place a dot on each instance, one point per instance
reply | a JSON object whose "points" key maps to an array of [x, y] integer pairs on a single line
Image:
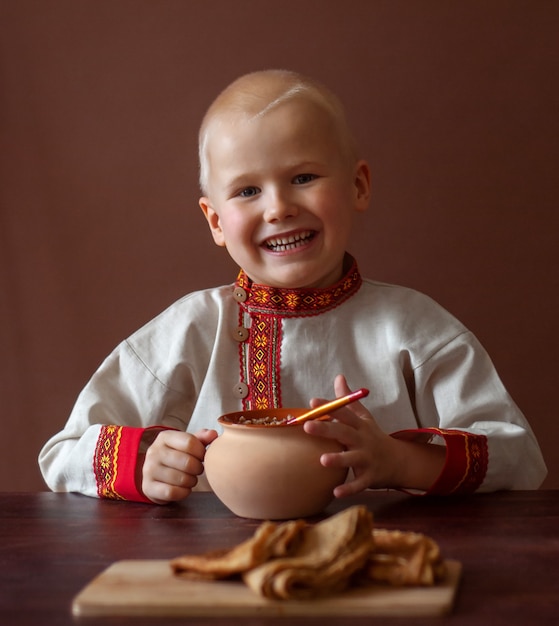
{"points": [[454, 103]]}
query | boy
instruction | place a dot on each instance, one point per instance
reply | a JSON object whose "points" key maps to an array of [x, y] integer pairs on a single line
{"points": [[281, 182]]}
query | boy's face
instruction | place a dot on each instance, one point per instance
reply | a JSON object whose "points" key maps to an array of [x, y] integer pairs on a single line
{"points": [[282, 193]]}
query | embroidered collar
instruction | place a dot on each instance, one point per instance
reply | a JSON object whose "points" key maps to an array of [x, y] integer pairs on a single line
{"points": [[256, 298]]}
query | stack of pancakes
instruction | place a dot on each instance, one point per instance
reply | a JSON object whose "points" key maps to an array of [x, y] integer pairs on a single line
{"points": [[297, 560]]}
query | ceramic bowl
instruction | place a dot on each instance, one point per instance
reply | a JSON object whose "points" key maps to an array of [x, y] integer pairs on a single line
{"points": [[271, 471]]}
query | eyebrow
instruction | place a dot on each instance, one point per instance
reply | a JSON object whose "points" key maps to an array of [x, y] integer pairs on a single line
{"points": [[238, 182], [244, 180]]}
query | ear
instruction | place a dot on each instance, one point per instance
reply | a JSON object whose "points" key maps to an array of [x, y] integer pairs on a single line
{"points": [[213, 221], [362, 184]]}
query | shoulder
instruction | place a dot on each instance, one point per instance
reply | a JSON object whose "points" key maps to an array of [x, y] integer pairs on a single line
{"points": [[213, 298], [398, 297], [198, 309], [407, 311]]}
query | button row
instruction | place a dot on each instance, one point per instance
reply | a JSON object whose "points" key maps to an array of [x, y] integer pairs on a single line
{"points": [[240, 390]]}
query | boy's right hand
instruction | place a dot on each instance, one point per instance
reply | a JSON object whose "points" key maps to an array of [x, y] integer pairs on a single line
{"points": [[173, 463]]}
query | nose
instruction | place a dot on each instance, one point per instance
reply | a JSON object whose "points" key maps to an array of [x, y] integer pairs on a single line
{"points": [[279, 206]]}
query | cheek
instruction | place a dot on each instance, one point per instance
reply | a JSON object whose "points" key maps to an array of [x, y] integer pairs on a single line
{"points": [[236, 227], [335, 197], [336, 209]]}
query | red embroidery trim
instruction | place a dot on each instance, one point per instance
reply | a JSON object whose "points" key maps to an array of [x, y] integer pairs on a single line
{"points": [[260, 354], [298, 302], [467, 458], [105, 463], [262, 357], [477, 457], [243, 348]]}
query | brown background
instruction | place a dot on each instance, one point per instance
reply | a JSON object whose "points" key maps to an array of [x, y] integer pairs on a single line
{"points": [[455, 104]]}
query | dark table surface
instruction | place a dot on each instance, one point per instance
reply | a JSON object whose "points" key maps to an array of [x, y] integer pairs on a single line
{"points": [[52, 545]]}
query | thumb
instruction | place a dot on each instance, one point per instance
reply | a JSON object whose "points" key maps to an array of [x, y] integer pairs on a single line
{"points": [[206, 436], [341, 388]]}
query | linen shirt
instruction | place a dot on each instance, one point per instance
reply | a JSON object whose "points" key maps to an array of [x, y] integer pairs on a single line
{"points": [[244, 346]]}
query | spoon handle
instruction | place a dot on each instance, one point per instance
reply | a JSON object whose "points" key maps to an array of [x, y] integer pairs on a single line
{"points": [[325, 409]]}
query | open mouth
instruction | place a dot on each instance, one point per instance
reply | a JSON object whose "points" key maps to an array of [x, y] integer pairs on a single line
{"points": [[282, 244]]}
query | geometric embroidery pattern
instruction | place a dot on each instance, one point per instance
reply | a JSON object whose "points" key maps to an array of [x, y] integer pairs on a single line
{"points": [[302, 302], [477, 458], [260, 354], [471, 458], [105, 461], [260, 363]]}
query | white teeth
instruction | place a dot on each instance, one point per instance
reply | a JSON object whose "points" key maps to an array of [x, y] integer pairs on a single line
{"points": [[280, 244]]}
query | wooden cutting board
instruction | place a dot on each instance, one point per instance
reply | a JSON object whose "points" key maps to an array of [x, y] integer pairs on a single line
{"points": [[139, 587]]}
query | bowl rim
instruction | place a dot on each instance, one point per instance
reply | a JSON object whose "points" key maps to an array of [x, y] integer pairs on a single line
{"points": [[229, 419]]}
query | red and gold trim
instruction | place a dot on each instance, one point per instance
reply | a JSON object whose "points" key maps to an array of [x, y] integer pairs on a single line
{"points": [[260, 362], [302, 302], [466, 461], [260, 354], [115, 462]]}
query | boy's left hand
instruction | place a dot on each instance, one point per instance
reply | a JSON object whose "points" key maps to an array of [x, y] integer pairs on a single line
{"points": [[377, 459]]}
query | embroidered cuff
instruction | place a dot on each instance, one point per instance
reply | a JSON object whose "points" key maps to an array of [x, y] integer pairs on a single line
{"points": [[115, 461], [466, 459]]}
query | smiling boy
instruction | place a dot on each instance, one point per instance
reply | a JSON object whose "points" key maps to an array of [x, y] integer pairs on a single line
{"points": [[281, 182]]}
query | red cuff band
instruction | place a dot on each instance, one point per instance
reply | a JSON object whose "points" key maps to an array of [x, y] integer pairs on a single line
{"points": [[466, 460], [115, 461]]}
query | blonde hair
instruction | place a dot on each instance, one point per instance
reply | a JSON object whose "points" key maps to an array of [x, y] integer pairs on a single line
{"points": [[254, 95]]}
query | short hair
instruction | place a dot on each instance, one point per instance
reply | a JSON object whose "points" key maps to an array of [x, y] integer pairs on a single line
{"points": [[255, 94]]}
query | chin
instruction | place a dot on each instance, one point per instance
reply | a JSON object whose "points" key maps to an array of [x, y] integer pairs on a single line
{"points": [[298, 283], [301, 275]]}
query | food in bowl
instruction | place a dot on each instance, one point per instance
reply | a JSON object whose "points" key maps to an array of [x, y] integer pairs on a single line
{"points": [[267, 420]]}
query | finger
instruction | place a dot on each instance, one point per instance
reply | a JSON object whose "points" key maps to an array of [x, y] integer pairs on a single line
{"points": [[163, 493], [348, 414], [175, 439], [174, 477], [172, 467], [182, 463], [206, 436], [351, 487], [162, 483], [343, 459], [317, 402], [184, 443], [349, 460], [341, 387], [343, 425]]}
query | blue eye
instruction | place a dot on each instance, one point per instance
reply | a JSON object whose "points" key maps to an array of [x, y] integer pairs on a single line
{"points": [[301, 179], [248, 192]]}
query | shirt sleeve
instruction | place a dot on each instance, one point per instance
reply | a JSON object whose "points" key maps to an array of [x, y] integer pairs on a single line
{"points": [[96, 453], [460, 398]]}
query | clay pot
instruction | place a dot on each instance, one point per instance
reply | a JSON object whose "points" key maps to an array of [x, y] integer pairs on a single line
{"points": [[271, 471]]}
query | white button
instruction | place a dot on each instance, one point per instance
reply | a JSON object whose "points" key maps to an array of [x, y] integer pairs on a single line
{"points": [[240, 390]]}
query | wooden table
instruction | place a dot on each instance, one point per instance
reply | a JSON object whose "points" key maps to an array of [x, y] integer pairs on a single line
{"points": [[52, 545]]}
